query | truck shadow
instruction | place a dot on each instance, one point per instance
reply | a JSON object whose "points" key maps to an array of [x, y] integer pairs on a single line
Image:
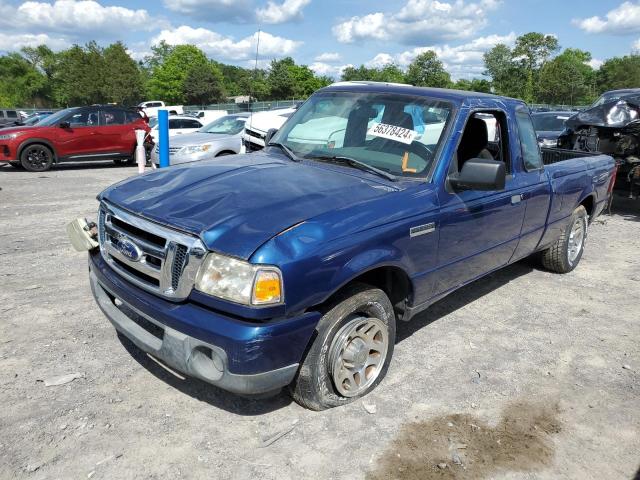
{"points": [[250, 406], [464, 296], [204, 392]]}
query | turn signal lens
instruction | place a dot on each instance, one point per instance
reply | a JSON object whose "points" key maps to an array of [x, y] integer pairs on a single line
{"points": [[267, 288]]}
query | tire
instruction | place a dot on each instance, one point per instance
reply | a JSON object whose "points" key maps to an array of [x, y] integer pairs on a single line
{"points": [[36, 158], [17, 165], [565, 254], [323, 380]]}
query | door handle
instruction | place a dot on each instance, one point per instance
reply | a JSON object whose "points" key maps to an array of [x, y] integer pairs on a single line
{"points": [[515, 199]]}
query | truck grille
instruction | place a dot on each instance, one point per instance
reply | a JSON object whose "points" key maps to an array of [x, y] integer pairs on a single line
{"points": [[155, 258], [253, 133]]}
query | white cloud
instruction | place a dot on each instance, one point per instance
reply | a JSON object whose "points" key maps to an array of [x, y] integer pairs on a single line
{"points": [[334, 71], [380, 60], [13, 41], [328, 57], [223, 47], [595, 63], [235, 11], [622, 20], [286, 11], [73, 16], [461, 61], [418, 21]]}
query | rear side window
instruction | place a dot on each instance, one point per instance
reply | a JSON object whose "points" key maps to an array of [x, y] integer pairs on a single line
{"points": [[1, 114], [132, 116], [528, 140], [190, 124], [175, 123], [113, 117], [12, 114]]}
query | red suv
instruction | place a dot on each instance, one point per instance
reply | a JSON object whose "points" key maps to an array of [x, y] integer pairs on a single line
{"points": [[75, 134]]}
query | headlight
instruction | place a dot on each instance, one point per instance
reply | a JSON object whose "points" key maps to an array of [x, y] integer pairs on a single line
{"points": [[10, 136], [195, 149], [240, 281], [549, 142]]}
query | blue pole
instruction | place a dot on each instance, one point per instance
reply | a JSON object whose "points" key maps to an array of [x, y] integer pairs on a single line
{"points": [[163, 139]]}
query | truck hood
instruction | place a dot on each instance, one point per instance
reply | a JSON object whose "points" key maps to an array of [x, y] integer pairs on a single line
{"points": [[236, 203]]}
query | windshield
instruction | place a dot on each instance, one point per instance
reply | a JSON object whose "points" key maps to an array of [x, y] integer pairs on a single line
{"points": [[55, 118], [549, 122], [398, 134], [229, 125]]}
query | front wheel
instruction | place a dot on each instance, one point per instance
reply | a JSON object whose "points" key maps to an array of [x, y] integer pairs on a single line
{"points": [[36, 158], [565, 254], [351, 351]]}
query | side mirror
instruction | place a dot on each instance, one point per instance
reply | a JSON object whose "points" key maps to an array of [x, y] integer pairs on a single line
{"points": [[479, 174], [64, 125], [270, 133]]}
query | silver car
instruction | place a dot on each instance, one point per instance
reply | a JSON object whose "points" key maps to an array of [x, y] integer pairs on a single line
{"points": [[218, 138]]}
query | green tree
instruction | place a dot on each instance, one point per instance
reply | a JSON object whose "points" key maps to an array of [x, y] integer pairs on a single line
{"points": [[507, 77], [531, 51], [20, 82], [427, 70], [203, 85], [567, 79], [167, 79], [281, 79], [123, 84], [388, 73], [619, 72], [474, 85], [79, 76]]}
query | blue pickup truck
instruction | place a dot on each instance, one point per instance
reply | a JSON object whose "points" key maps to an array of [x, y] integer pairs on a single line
{"points": [[290, 267]]}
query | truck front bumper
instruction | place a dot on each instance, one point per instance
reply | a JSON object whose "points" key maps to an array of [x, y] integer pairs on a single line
{"points": [[235, 355]]}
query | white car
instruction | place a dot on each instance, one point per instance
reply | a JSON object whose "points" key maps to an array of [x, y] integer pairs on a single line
{"points": [[220, 137], [178, 125], [150, 108], [208, 116], [259, 123]]}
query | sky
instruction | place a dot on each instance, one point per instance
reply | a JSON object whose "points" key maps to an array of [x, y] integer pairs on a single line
{"points": [[327, 35]]}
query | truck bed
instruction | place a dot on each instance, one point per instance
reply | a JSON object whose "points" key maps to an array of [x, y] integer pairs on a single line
{"points": [[555, 155]]}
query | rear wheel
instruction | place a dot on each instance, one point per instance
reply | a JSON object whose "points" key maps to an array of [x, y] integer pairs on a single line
{"points": [[36, 158], [565, 254], [351, 351]]}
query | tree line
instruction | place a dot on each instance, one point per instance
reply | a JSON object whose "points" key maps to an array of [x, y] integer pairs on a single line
{"points": [[534, 69]]}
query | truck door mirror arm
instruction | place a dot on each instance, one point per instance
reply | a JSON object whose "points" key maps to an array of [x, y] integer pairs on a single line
{"points": [[479, 174]]}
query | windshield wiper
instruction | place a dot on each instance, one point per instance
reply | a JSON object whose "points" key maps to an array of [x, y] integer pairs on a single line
{"points": [[352, 162], [285, 149]]}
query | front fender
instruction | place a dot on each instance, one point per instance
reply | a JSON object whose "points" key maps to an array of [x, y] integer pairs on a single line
{"points": [[30, 141]]}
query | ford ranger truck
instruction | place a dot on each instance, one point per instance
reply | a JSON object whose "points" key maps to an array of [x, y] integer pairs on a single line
{"points": [[290, 267]]}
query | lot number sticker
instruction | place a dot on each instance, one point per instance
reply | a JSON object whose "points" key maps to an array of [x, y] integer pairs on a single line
{"points": [[391, 132]]}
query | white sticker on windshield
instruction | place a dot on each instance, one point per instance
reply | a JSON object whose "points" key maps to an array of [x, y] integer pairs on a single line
{"points": [[391, 132]]}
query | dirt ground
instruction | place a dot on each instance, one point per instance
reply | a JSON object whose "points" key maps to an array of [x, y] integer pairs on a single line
{"points": [[522, 375]]}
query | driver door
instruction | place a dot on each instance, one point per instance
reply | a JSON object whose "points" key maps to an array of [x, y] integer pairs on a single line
{"points": [[479, 230], [79, 139]]}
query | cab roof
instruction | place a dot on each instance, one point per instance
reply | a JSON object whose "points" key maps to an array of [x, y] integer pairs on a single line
{"points": [[454, 96]]}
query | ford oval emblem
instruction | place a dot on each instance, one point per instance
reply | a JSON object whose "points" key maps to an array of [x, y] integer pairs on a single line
{"points": [[129, 249]]}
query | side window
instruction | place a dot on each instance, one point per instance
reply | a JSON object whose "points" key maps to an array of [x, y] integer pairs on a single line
{"points": [[132, 116], [191, 124], [113, 117], [1, 113], [528, 140], [174, 124], [83, 118], [485, 137], [12, 114]]}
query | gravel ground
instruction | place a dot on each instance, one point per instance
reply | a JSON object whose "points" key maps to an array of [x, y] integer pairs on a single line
{"points": [[524, 374]]}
